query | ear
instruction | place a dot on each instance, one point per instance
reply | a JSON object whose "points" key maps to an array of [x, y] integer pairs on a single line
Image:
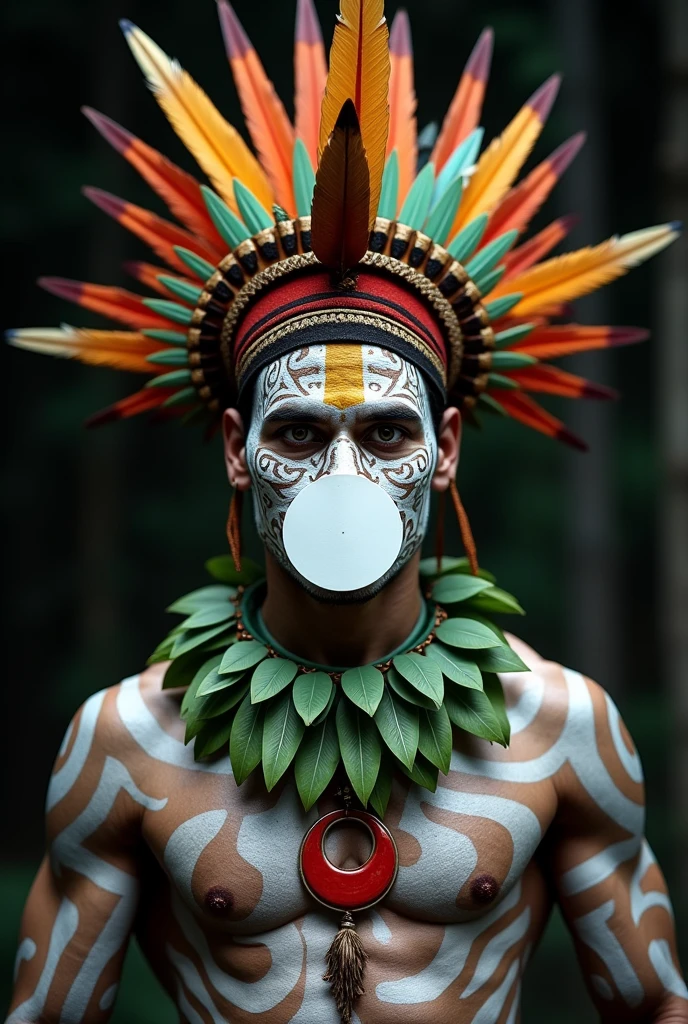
{"points": [[235, 450], [448, 446]]}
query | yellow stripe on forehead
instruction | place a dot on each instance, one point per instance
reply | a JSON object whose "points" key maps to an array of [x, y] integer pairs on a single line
{"points": [[344, 376]]}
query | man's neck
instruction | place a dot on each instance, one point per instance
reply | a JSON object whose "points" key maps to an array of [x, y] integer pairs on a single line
{"points": [[341, 634]]}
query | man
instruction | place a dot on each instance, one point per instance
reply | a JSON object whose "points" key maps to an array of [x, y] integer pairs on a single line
{"points": [[276, 771]]}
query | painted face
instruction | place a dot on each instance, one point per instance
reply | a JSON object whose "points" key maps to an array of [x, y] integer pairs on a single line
{"points": [[341, 409]]}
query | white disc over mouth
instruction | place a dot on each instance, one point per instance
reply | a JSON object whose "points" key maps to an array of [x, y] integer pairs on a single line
{"points": [[342, 532]]}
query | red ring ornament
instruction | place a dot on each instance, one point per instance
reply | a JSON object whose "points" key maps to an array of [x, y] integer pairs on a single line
{"points": [[348, 890]]}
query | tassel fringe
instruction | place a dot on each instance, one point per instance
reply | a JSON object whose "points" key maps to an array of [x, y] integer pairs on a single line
{"points": [[346, 960], [465, 527], [234, 528]]}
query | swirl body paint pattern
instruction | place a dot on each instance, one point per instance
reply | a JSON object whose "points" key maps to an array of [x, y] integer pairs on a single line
{"points": [[231, 932]]}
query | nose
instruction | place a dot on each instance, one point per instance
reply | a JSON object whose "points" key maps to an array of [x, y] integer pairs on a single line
{"points": [[344, 459]]}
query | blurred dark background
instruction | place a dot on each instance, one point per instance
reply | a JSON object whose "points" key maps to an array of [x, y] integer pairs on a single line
{"points": [[101, 530]]}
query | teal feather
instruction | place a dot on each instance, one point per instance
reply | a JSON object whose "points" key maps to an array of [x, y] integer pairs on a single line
{"points": [[463, 157], [171, 337], [170, 380], [196, 264], [486, 282], [468, 239], [254, 215], [170, 357], [417, 203], [188, 292], [440, 221], [503, 339], [488, 402], [511, 360], [227, 223], [280, 213], [170, 310], [426, 143], [490, 256], [389, 194], [181, 398], [304, 180], [496, 380], [500, 307]]}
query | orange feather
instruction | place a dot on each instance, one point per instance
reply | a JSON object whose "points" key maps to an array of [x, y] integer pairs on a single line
{"points": [[141, 401], [550, 380], [553, 342], [501, 162], [161, 235], [310, 76], [116, 303], [147, 275], [216, 145], [266, 118], [341, 198], [179, 190], [122, 350], [359, 71], [464, 113], [402, 103], [529, 412], [521, 204], [524, 256], [567, 277]]}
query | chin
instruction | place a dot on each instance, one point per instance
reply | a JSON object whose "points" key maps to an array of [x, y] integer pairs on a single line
{"points": [[349, 597]]}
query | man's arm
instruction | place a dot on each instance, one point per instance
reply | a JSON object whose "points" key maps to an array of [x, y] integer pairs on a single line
{"points": [[82, 905], [609, 886]]}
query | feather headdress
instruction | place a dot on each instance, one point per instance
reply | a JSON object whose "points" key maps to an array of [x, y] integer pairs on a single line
{"points": [[343, 209]]}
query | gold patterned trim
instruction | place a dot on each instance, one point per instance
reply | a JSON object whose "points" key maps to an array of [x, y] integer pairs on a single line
{"points": [[336, 316]]}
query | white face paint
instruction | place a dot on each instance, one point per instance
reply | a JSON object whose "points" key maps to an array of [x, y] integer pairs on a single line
{"points": [[341, 410]]}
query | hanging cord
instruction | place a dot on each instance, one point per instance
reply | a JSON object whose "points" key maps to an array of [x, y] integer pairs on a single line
{"points": [[439, 529], [465, 527], [234, 527]]}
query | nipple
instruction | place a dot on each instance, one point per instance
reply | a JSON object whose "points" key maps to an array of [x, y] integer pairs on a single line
{"points": [[484, 889], [218, 900]]}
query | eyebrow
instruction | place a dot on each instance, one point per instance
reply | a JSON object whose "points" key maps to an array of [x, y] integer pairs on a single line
{"points": [[294, 409]]}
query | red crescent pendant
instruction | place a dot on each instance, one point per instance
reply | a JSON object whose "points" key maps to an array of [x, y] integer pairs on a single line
{"points": [[348, 890]]}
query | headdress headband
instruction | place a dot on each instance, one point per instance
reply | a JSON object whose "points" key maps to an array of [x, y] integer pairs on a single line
{"points": [[346, 226]]}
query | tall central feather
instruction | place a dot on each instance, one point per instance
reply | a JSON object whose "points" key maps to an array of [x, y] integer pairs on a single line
{"points": [[359, 71], [341, 199], [216, 144]]}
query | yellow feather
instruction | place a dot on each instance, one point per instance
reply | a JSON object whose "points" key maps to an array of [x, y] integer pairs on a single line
{"points": [[122, 350], [215, 144], [501, 162], [359, 71], [574, 274]]}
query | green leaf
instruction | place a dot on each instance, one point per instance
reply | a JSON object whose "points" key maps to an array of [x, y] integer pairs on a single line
{"points": [[428, 566], [218, 703], [454, 666], [497, 600], [312, 693], [163, 651], [359, 743], [182, 670], [282, 734], [222, 568], [198, 677], [471, 710], [211, 737], [323, 714], [246, 739], [495, 694], [382, 790], [422, 773], [500, 659], [435, 737], [487, 623], [398, 725], [213, 681], [209, 616], [364, 687], [197, 599], [467, 633], [458, 587], [424, 675], [243, 655], [188, 639], [270, 678], [408, 692], [316, 761]]}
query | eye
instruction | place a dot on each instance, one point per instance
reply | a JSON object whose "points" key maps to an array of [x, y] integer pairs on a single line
{"points": [[299, 434], [385, 433]]}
